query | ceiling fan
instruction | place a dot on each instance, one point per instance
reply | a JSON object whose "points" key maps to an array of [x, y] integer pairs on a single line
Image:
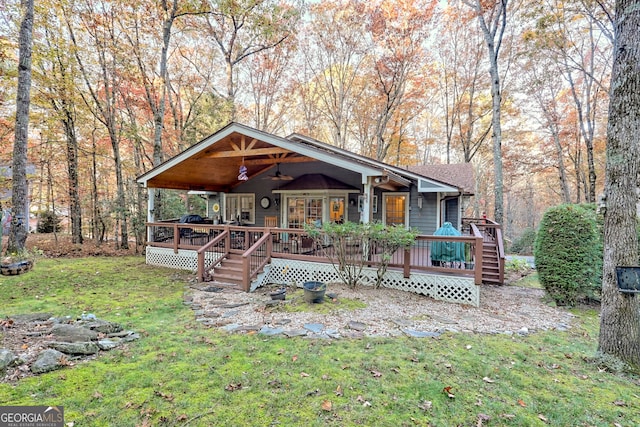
{"points": [[278, 176]]}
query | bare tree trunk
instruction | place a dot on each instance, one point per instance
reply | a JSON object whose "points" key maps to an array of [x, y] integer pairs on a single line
{"points": [[20, 223], [493, 30], [620, 313]]}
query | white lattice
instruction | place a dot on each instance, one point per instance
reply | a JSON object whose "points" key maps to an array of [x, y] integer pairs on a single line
{"points": [[460, 290], [183, 260]]}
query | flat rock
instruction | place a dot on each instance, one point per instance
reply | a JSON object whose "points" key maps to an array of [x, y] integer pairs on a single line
{"points": [[109, 344], [316, 328], [231, 327], [104, 327], [357, 326], [48, 360], [266, 330], [85, 348], [296, 333], [31, 317], [421, 334], [7, 358], [71, 333]]}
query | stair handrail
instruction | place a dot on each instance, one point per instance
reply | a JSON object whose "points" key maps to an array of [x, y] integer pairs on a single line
{"points": [[475, 231], [249, 270], [201, 252]]}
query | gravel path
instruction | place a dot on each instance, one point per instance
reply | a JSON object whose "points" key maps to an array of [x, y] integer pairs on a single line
{"points": [[389, 312]]}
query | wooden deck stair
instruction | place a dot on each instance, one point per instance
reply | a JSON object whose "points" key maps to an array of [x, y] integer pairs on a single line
{"points": [[490, 263], [229, 270]]}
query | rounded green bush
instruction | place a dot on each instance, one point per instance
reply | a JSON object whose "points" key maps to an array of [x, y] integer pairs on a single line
{"points": [[568, 253]]}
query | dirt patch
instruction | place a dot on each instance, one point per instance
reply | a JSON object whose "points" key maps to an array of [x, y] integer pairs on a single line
{"points": [[61, 246]]}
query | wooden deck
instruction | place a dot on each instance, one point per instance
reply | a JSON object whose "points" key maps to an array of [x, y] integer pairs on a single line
{"points": [[238, 254]]}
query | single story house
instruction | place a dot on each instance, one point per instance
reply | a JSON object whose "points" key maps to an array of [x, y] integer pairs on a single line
{"points": [[255, 181]]}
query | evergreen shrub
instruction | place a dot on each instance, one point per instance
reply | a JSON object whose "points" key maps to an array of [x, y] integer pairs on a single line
{"points": [[48, 222], [568, 253]]}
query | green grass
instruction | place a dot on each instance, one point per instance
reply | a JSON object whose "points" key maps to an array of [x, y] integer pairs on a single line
{"points": [[181, 373]]}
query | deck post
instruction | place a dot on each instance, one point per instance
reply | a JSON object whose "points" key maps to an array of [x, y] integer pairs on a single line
{"points": [[407, 263], [478, 261]]}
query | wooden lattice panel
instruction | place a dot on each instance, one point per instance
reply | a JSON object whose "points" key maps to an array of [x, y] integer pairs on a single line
{"points": [[460, 290]]}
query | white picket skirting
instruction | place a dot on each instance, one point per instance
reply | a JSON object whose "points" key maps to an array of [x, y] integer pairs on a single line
{"points": [[455, 289]]}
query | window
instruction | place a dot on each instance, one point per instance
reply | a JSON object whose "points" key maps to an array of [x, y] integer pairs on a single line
{"points": [[240, 208], [304, 210], [396, 209]]}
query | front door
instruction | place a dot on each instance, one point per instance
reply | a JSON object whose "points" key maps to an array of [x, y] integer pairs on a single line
{"points": [[395, 209]]}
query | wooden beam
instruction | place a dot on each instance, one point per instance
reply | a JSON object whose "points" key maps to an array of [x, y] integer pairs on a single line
{"points": [[258, 162], [248, 152]]}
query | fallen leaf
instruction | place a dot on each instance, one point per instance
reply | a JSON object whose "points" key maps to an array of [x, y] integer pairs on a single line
{"points": [[325, 377], [165, 396], [542, 417], [508, 416], [366, 403], [294, 358], [327, 405], [482, 418], [182, 417], [338, 391], [97, 395], [447, 391], [376, 374], [233, 387], [619, 403], [426, 405], [396, 370], [359, 398], [521, 403], [488, 380], [304, 374]]}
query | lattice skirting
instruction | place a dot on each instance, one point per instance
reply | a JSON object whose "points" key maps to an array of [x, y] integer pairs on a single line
{"points": [[165, 257], [460, 290]]}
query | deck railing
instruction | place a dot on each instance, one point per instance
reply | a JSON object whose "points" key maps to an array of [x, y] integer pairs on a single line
{"points": [[258, 245]]}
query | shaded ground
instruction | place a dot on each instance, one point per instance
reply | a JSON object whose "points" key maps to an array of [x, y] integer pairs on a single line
{"points": [[60, 246]]}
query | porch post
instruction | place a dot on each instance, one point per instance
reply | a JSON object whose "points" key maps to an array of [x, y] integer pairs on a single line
{"points": [[150, 210], [365, 215]]}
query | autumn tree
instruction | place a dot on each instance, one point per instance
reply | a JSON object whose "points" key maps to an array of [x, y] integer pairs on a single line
{"points": [[334, 54], [244, 28], [464, 101], [620, 312], [56, 76], [20, 222], [102, 83], [394, 29], [492, 18]]}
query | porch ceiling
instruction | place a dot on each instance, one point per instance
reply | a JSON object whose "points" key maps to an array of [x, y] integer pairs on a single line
{"points": [[216, 168]]}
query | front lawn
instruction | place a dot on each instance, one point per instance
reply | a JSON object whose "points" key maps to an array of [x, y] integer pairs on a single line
{"points": [[181, 373]]}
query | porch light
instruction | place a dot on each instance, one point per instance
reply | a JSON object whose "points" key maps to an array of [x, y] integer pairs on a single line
{"points": [[419, 202]]}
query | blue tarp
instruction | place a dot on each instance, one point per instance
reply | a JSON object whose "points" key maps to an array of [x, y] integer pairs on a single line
{"points": [[447, 251]]}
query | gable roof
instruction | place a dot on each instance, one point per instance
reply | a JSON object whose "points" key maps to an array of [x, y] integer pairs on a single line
{"points": [[213, 163], [458, 174]]}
